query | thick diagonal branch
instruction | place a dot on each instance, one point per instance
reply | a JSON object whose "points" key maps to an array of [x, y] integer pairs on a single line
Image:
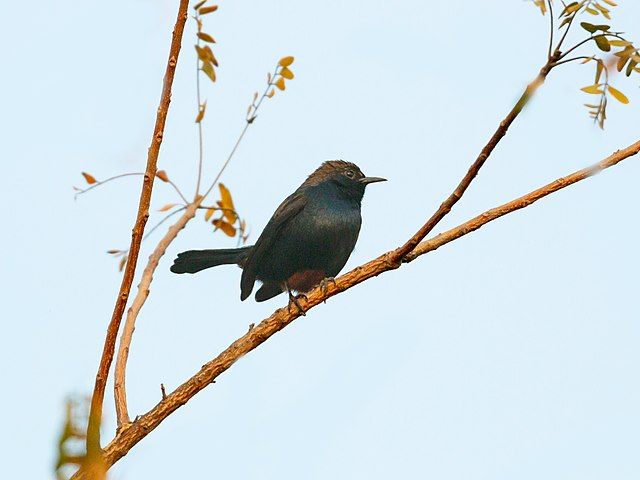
{"points": [[95, 416], [141, 427]]}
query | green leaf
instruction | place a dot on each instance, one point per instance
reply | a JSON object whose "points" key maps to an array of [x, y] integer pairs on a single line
{"points": [[617, 94], [589, 27], [602, 43]]}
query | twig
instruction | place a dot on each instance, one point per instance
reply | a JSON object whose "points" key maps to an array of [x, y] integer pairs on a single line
{"points": [[448, 204], [141, 427], [550, 4], [95, 416], [133, 174], [129, 325]]}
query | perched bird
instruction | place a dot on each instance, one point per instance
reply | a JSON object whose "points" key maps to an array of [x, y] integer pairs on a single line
{"points": [[306, 242]]}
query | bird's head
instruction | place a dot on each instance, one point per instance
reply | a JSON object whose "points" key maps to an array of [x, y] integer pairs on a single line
{"points": [[344, 175]]}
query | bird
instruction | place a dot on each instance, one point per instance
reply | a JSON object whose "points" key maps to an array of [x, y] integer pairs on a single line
{"points": [[307, 241]]}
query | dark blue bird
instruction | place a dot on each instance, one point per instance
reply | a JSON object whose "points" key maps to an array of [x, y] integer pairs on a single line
{"points": [[306, 242]]}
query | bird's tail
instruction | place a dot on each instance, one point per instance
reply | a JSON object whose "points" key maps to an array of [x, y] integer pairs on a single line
{"points": [[193, 261]]}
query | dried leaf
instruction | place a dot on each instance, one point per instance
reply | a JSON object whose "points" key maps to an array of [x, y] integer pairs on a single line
{"points": [[268, 77], [286, 73], [199, 4], [587, 59], [201, 111], [271, 93], [227, 228], [205, 10], [208, 69], [210, 54], [162, 175], [122, 263], [617, 94], [202, 54], [208, 213], [280, 83], [89, 178], [285, 61], [206, 37], [114, 252], [255, 97], [227, 203], [168, 206], [610, 2], [599, 68], [249, 110], [620, 43], [593, 89]]}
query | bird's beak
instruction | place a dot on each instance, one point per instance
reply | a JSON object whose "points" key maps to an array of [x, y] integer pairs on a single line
{"points": [[368, 180]]}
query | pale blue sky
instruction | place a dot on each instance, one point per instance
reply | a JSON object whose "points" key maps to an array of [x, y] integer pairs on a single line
{"points": [[512, 353]]}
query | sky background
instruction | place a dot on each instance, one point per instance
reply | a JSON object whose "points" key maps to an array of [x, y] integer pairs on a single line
{"points": [[511, 353]]}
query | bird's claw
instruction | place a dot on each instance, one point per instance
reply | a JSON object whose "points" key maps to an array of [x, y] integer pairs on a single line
{"points": [[324, 285], [294, 299]]}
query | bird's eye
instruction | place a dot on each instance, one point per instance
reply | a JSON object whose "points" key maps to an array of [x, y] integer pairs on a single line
{"points": [[350, 173]]}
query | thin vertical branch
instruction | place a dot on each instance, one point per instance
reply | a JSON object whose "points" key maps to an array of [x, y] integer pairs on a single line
{"points": [[97, 400], [550, 3]]}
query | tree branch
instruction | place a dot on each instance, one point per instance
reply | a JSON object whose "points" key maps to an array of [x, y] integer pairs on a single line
{"points": [[143, 292], [95, 416], [142, 426], [448, 204]]}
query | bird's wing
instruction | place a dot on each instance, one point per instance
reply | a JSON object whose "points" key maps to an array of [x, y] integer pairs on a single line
{"points": [[287, 210]]}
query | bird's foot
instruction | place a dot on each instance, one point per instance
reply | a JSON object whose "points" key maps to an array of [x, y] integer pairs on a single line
{"points": [[324, 285], [293, 299]]}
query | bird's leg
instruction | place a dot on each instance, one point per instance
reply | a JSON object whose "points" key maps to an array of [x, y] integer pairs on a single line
{"points": [[294, 299], [324, 284]]}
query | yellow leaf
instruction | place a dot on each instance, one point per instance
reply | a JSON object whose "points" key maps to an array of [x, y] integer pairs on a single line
{"points": [[587, 59], [227, 203], [286, 73], [202, 54], [162, 175], [206, 37], [227, 228], [610, 2], [201, 110], [618, 95], [599, 68], [210, 54], [208, 69], [620, 43], [280, 83], [122, 264], [89, 178], [208, 213], [591, 11], [285, 61], [593, 89], [255, 97], [168, 206], [271, 93], [205, 10]]}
